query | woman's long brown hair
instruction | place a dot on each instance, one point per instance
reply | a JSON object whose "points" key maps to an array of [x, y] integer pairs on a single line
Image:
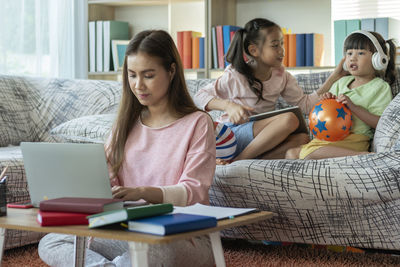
{"points": [[155, 43]]}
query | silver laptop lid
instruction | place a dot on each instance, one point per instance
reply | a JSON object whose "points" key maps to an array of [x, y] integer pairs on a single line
{"points": [[65, 170]]}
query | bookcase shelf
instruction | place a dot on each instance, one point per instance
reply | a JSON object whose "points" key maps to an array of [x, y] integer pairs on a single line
{"points": [[201, 16]]}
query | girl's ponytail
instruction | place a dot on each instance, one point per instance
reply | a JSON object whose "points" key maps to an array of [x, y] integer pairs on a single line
{"points": [[235, 56], [250, 34], [390, 73]]}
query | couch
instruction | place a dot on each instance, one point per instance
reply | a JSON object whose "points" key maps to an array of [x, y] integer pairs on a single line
{"points": [[343, 201]]}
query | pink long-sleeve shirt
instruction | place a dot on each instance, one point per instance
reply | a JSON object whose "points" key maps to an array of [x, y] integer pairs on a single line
{"points": [[178, 158], [233, 86]]}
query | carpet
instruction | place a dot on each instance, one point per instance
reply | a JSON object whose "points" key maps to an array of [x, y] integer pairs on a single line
{"points": [[240, 253]]}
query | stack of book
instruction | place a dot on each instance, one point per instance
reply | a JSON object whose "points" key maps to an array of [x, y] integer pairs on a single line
{"points": [[101, 34], [191, 49], [303, 49], [73, 210], [221, 38]]}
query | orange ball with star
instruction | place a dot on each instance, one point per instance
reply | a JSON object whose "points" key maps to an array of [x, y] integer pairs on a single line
{"points": [[330, 120]]}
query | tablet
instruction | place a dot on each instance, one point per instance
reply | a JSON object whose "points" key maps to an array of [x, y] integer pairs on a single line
{"points": [[296, 110]]}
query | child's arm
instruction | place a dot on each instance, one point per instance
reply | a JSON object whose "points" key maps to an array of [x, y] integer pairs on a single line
{"points": [[338, 73], [363, 114], [237, 113]]}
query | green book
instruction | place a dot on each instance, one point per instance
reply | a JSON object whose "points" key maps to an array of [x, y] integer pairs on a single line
{"points": [[121, 215]]}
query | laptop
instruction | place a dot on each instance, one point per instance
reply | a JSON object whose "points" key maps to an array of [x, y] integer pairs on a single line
{"points": [[296, 110], [56, 170]]}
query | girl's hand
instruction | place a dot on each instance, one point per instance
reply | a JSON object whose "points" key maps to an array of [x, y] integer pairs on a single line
{"points": [[327, 95], [127, 193], [238, 114], [339, 72], [344, 99]]}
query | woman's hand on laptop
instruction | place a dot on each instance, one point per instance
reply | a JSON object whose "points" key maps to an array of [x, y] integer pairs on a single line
{"points": [[147, 193]]}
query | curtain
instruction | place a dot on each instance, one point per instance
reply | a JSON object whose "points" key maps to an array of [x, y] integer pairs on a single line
{"points": [[43, 38]]}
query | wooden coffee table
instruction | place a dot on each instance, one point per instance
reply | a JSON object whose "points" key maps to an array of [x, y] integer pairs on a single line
{"points": [[25, 219]]}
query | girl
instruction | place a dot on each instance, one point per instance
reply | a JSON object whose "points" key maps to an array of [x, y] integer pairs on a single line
{"points": [[252, 87], [162, 150], [367, 57]]}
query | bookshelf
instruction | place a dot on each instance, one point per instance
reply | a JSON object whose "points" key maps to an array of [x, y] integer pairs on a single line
{"points": [[202, 15]]}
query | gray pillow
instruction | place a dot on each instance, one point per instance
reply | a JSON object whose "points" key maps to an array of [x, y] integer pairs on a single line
{"points": [[87, 129]]}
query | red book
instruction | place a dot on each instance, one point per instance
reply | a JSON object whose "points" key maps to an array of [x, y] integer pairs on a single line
{"points": [[220, 46], [187, 50], [180, 44], [53, 218], [81, 204]]}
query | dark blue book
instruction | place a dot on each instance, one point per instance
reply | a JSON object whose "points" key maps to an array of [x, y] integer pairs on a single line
{"points": [[300, 50], [171, 223], [201, 53]]}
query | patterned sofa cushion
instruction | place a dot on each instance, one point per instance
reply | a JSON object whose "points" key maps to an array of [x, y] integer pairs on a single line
{"points": [[86, 129], [387, 132]]}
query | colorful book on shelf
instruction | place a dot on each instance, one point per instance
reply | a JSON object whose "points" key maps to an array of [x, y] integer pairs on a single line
{"points": [[314, 49], [352, 25], [187, 47], [179, 40], [201, 53], [286, 46], [172, 223], [99, 46], [368, 24], [220, 46], [113, 30], [339, 36], [292, 50], [120, 215], [300, 49], [92, 46], [54, 218], [226, 36], [214, 48], [195, 52], [81, 204]]}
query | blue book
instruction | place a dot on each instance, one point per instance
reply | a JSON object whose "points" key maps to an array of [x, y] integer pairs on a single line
{"points": [[300, 49], [352, 25], [201, 53], [340, 35], [226, 33], [309, 57], [171, 223], [368, 25], [382, 27], [214, 48]]}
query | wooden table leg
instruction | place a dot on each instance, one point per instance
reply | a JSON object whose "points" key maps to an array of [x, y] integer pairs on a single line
{"points": [[217, 249], [2, 239], [79, 250], [138, 252]]}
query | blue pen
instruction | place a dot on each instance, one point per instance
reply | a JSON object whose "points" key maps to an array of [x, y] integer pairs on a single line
{"points": [[3, 180]]}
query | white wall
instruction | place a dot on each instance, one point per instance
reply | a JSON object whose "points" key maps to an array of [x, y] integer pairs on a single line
{"points": [[144, 17], [301, 16]]}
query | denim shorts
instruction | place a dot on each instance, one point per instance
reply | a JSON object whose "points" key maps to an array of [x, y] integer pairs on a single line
{"points": [[243, 134]]}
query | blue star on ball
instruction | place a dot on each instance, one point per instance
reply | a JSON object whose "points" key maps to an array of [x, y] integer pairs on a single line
{"points": [[317, 109], [321, 126], [341, 113]]}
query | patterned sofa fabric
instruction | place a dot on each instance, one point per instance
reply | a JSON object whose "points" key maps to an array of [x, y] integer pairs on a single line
{"points": [[352, 201], [30, 108]]}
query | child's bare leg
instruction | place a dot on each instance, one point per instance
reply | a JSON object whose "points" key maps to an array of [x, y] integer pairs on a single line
{"points": [[292, 142], [333, 152], [268, 133]]}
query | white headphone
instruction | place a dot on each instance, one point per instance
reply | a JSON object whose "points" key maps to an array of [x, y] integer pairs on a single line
{"points": [[379, 59]]}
